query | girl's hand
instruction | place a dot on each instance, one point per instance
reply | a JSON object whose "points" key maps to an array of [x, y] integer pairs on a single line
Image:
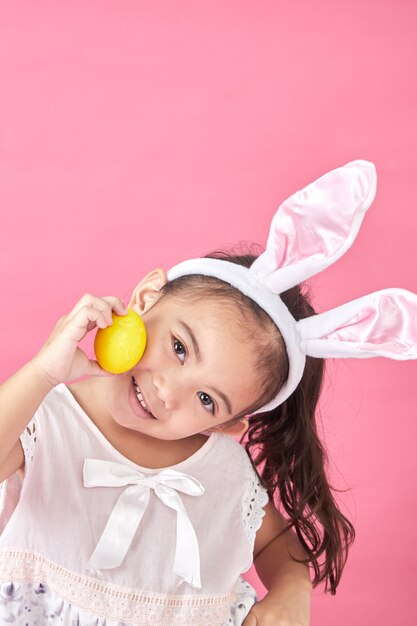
{"points": [[60, 359], [269, 612]]}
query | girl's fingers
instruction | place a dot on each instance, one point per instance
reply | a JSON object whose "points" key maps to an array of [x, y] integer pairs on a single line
{"points": [[76, 327], [96, 370], [60, 357], [106, 305]]}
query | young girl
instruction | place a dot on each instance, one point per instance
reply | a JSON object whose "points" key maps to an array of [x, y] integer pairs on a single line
{"points": [[137, 506]]}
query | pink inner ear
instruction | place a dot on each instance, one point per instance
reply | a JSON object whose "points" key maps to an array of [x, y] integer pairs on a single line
{"points": [[317, 221], [388, 324]]}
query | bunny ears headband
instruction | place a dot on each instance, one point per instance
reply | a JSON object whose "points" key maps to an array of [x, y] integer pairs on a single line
{"points": [[310, 231]]}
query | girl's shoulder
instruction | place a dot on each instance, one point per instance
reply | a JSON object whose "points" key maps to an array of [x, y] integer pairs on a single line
{"points": [[231, 456], [51, 404], [241, 482], [57, 399]]}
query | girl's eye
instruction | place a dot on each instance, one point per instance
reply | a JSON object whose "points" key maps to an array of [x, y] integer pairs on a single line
{"points": [[206, 401], [179, 350]]}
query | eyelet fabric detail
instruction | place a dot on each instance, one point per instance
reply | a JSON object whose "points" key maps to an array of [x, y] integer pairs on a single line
{"points": [[254, 500], [113, 601], [28, 441]]}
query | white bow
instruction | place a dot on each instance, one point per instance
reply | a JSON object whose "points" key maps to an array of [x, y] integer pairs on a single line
{"points": [[130, 507]]}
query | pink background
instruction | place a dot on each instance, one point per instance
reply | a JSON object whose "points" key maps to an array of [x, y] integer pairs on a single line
{"points": [[137, 134]]}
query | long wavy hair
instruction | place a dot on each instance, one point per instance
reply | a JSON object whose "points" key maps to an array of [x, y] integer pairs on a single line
{"points": [[283, 444]]}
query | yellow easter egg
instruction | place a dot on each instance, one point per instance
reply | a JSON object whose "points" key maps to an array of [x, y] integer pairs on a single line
{"points": [[120, 346]]}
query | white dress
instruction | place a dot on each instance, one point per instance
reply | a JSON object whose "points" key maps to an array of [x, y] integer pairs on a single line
{"points": [[95, 539]]}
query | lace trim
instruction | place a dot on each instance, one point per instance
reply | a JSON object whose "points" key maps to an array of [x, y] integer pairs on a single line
{"points": [[253, 502], [113, 601], [28, 441]]}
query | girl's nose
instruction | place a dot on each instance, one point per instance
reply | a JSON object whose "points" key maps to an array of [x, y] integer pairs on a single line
{"points": [[166, 389]]}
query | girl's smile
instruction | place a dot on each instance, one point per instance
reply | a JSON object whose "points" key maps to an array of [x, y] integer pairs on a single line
{"points": [[138, 404]]}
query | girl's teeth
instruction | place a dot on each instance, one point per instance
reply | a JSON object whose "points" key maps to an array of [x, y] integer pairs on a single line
{"points": [[140, 397]]}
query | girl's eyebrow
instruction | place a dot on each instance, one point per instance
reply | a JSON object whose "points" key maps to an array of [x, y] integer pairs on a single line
{"points": [[196, 349], [223, 397]]}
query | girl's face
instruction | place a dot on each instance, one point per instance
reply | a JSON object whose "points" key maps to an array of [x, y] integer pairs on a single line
{"points": [[198, 370]]}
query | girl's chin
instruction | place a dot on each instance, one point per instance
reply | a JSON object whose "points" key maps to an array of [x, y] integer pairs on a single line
{"points": [[127, 422]]}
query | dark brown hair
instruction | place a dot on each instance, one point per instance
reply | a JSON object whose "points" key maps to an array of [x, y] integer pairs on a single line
{"points": [[283, 443]]}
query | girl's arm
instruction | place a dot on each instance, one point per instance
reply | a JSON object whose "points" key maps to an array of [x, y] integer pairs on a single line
{"points": [[59, 360], [20, 396], [288, 582]]}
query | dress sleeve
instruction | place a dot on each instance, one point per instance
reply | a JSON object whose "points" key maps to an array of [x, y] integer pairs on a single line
{"points": [[255, 497], [11, 487], [28, 441]]}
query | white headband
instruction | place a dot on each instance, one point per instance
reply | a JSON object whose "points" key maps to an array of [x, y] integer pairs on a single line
{"points": [[309, 232]]}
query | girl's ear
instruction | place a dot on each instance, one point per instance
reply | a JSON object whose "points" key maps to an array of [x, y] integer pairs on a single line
{"points": [[237, 429], [147, 292]]}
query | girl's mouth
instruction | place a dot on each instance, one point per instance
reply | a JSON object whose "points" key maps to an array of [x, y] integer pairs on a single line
{"points": [[140, 399]]}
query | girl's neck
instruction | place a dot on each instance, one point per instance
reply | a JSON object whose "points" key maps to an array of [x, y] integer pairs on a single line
{"points": [[139, 448]]}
